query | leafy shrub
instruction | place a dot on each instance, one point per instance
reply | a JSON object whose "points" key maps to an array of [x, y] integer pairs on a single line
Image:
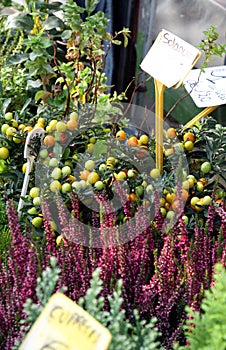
{"points": [[47, 70], [206, 329], [139, 335]]}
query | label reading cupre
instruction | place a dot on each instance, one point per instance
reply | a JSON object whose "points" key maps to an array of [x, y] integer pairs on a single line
{"points": [[207, 88], [170, 59], [63, 325]]}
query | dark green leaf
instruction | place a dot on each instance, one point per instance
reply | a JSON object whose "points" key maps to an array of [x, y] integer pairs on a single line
{"points": [[66, 34], [20, 21], [17, 59], [25, 105], [66, 153], [91, 5], [53, 22], [6, 105]]}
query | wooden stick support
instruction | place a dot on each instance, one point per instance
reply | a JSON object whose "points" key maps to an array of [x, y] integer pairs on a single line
{"points": [[202, 114], [159, 94]]}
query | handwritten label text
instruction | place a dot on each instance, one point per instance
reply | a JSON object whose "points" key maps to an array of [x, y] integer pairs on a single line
{"points": [[63, 325], [170, 59], [207, 88], [176, 45]]}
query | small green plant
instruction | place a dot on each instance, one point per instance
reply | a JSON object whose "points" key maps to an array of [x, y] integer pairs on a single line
{"points": [[206, 330], [210, 47], [139, 335], [64, 57]]}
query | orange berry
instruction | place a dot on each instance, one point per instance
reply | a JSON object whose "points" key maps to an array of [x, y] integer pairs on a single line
{"points": [[132, 141], [89, 164], [167, 206], [72, 124], [61, 126], [84, 174], [4, 153], [49, 140], [55, 186], [21, 127], [121, 135], [191, 182], [189, 136], [203, 180], [184, 195], [27, 129], [171, 133], [194, 201], [155, 173], [175, 205], [132, 197], [71, 178], [10, 132], [162, 202]]}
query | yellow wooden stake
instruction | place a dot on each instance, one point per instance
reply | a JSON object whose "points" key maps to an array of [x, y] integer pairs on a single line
{"points": [[202, 114], [159, 94]]}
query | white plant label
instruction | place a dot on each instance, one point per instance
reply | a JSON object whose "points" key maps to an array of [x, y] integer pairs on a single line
{"points": [[64, 325], [207, 88], [170, 59]]}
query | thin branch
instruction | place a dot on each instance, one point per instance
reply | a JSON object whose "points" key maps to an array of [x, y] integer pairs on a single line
{"points": [[62, 75], [182, 98]]}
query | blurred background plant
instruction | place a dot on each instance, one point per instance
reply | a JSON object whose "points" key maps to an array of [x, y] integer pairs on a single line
{"points": [[50, 66]]}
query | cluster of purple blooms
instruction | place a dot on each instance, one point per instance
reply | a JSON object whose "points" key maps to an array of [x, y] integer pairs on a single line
{"points": [[161, 273]]}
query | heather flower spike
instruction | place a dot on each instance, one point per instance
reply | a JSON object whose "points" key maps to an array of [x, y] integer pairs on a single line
{"points": [[34, 136]]}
